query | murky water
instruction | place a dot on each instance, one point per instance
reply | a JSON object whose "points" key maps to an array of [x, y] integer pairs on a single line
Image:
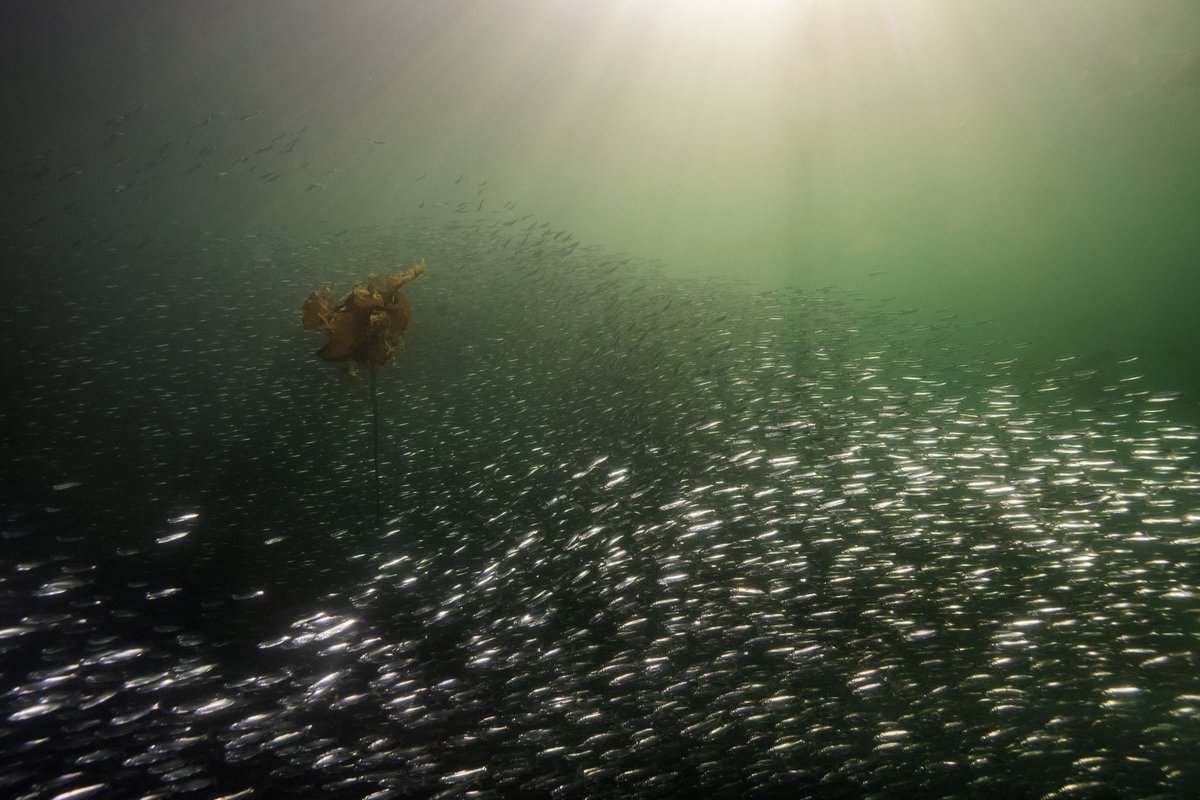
{"points": [[641, 538], [902, 503]]}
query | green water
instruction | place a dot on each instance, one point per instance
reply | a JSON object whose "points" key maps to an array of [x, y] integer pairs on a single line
{"points": [[1028, 163], [799, 401]]}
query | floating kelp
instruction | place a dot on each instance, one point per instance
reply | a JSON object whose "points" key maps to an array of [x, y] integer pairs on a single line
{"points": [[365, 329]]}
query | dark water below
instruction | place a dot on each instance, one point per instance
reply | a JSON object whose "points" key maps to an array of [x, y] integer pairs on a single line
{"points": [[641, 539]]}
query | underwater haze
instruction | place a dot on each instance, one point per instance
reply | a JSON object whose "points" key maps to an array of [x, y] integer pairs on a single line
{"points": [[801, 400]]}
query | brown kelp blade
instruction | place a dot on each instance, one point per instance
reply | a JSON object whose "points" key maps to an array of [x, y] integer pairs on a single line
{"points": [[366, 326]]}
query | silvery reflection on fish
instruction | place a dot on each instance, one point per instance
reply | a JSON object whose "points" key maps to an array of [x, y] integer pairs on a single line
{"points": [[637, 543]]}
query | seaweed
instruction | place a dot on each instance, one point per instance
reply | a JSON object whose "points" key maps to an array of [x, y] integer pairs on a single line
{"points": [[365, 329]]}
